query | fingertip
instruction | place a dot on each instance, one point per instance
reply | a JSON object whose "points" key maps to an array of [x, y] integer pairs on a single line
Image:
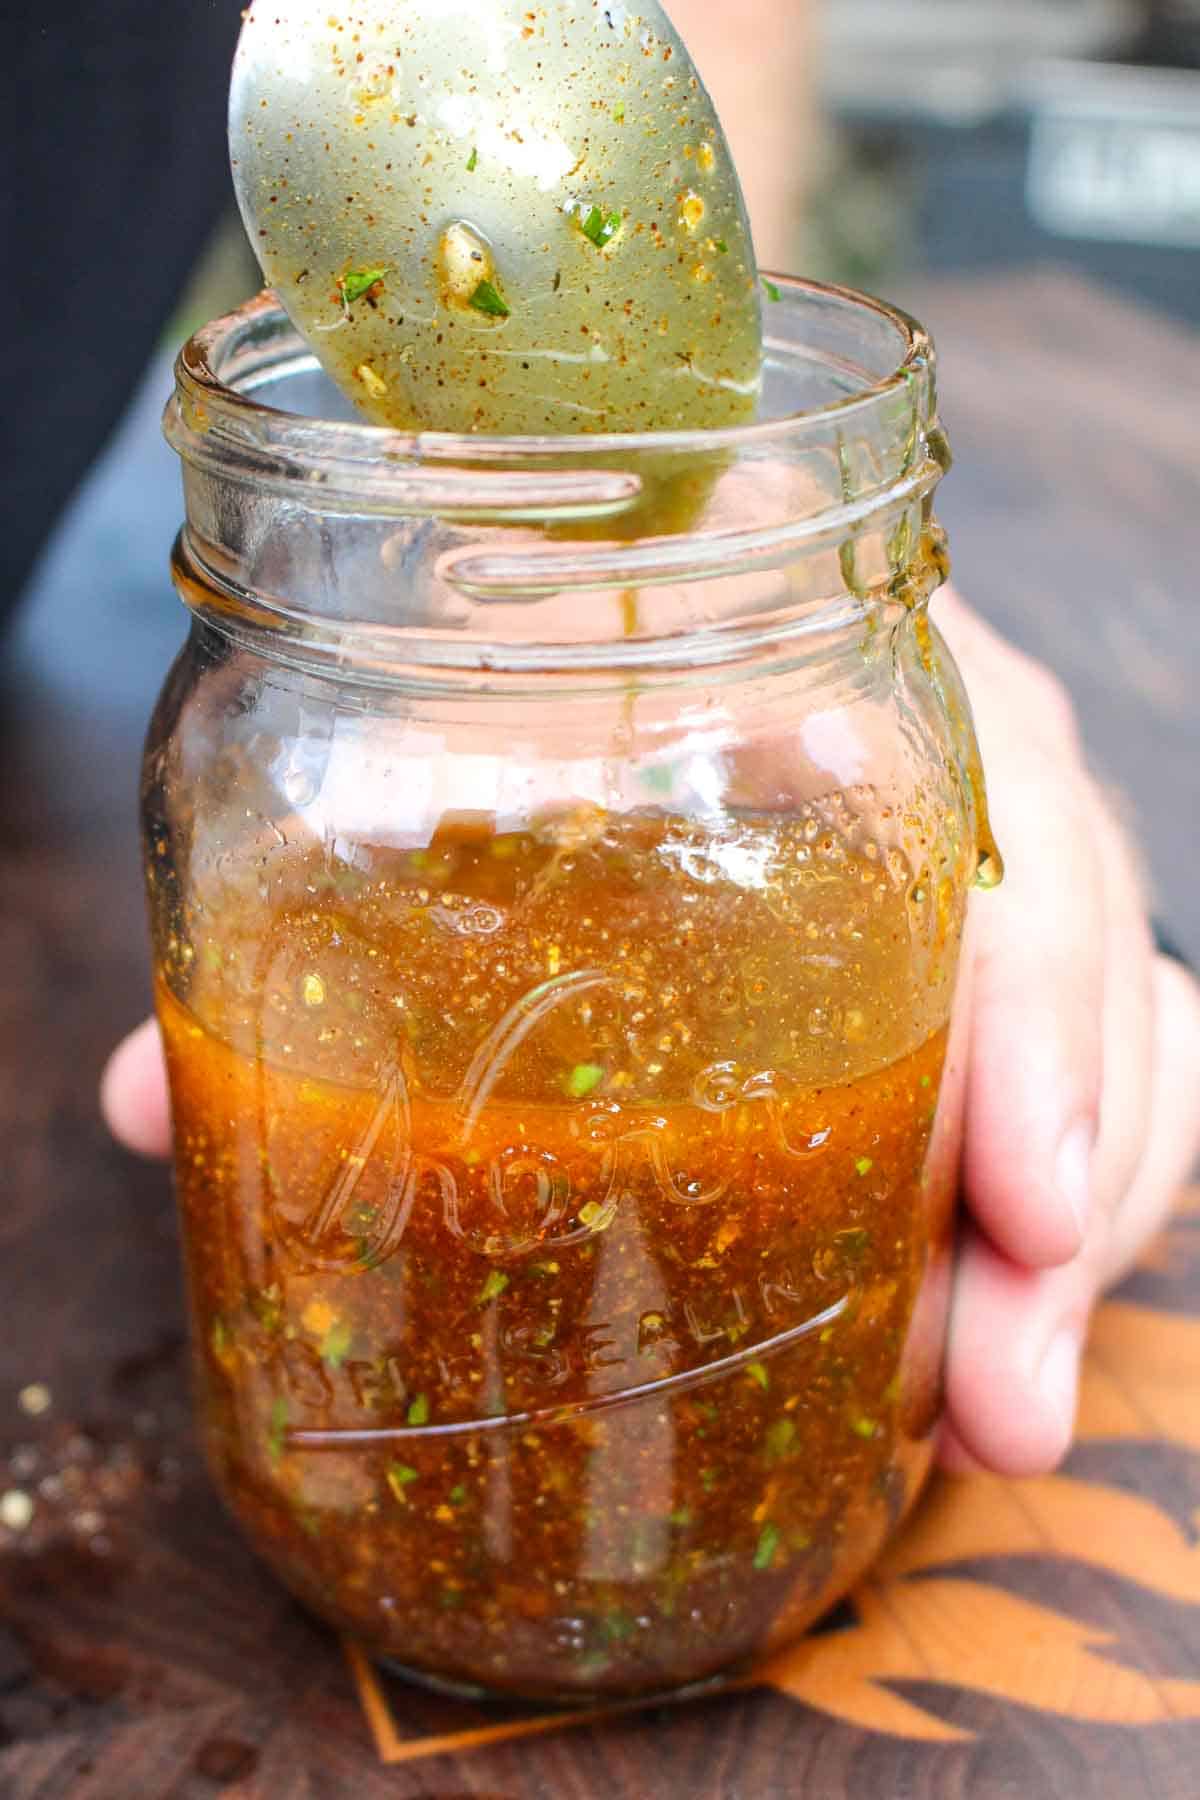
{"points": [[1016, 1343], [133, 1093]]}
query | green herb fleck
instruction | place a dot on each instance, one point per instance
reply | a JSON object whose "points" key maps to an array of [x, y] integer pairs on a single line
{"points": [[473, 160], [335, 1345], [220, 1338], [493, 1287], [681, 1517], [759, 1372], [278, 1428], [708, 1480], [399, 1476], [864, 1165], [660, 780], [926, 1081], [595, 1216], [855, 1242], [781, 1436], [592, 1664], [266, 1308], [488, 299], [601, 227], [458, 1495], [848, 564], [864, 1428], [584, 1079], [357, 282], [772, 292], [418, 1412], [768, 1543], [619, 112], [722, 247]]}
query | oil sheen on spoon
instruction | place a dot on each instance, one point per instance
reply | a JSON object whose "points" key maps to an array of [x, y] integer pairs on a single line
{"points": [[487, 217]]}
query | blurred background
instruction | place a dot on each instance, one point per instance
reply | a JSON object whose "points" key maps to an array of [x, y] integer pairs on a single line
{"points": [[1024, 174], [883, 138], [979, 135]]}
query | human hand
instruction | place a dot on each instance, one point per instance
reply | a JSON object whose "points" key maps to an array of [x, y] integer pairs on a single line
{"points": [[1083, 1071], [1083, 1083]]}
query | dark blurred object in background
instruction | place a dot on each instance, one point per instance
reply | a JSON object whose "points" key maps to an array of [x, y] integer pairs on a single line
{"points": [[113, 181], [977, 134], [1171, 36]]}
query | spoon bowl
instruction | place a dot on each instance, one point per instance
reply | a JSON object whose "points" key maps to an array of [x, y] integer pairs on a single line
{"points": [[495, 218]]}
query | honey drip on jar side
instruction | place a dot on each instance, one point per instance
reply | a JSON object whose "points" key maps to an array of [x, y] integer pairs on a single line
{"points": [[930, 569]]}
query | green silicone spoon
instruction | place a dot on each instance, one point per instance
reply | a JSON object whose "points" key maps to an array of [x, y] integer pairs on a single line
{"points": [[487, 217]]}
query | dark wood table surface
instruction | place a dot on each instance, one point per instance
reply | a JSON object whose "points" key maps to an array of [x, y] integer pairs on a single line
{"points": [[1035, 1638]]}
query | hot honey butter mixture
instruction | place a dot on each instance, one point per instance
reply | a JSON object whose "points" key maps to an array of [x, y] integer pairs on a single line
{"points": [[557, 1203]]}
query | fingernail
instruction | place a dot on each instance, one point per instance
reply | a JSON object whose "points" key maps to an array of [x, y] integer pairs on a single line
{"points": [[1058, 1378], [1073, 1173]]}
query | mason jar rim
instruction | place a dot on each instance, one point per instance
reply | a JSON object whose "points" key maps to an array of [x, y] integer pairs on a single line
{"points": [[340, 543], [216, 412]]}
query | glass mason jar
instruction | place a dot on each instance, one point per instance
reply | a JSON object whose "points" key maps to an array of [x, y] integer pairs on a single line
{"points": [[557, 856]]}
